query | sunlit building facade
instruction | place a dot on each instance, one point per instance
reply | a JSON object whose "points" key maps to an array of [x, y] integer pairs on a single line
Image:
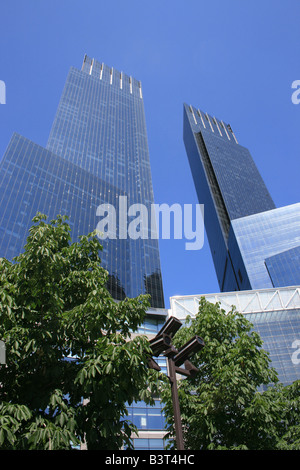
{"points": [[97, 152]]}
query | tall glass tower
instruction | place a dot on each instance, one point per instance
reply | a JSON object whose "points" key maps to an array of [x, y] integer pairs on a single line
{"points": [[254, 245], [97, 154]]}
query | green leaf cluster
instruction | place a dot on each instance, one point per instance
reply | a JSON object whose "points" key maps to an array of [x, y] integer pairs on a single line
{"points": [[73, 362], [235, 400]]}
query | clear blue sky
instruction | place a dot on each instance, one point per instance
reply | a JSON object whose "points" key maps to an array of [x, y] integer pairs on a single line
{"points": [[234, 59]]}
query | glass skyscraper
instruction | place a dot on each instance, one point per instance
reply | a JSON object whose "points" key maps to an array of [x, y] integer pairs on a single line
{"points": [[254, 245], [97, 154]]}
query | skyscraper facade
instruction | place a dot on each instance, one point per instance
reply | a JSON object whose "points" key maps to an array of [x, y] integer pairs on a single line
{"points": [[97, 155], [254, 245]]}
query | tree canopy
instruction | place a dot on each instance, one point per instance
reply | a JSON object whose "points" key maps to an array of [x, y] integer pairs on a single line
{"points": [[72, 363], [235, 400]]}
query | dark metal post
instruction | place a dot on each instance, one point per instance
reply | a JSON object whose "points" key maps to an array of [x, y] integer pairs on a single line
{"points": [[176, 407], [162, 344]]}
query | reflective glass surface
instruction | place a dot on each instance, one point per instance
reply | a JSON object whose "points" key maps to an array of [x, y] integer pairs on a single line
{"points": [[280, 332], [274, 314], [229, 166], [147, 417], [241, 185], [149, 443], [250, 240], [269, 239], [284, 268], [97, 151], [216, 219]]}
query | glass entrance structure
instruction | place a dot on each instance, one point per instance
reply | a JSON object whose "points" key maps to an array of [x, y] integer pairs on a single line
{"points": [[274, 314]]}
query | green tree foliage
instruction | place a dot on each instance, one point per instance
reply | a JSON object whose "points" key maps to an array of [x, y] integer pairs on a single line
{"points": [[224, 405], [72, 363]]}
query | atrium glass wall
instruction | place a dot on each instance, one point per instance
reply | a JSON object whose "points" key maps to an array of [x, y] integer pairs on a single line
{"points": [[274, 314]]}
